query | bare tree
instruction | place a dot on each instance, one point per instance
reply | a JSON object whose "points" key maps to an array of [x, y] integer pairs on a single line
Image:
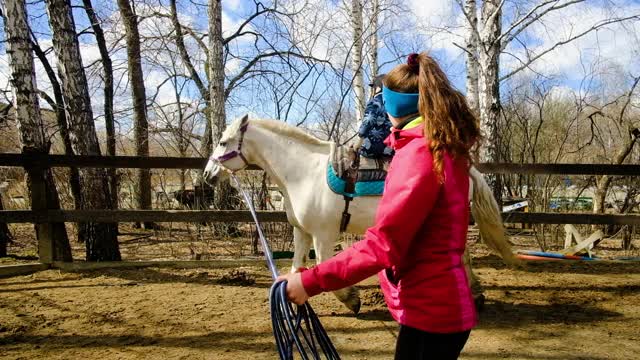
{"points": [[217, 94], [216, 70], [107, 71], [57, 103], [206, 143], [472, 54], [101, 238], [490, 40], [177, 119], [629, 134], [356, 58], [32, 134], [140, 122], [373, 39]]}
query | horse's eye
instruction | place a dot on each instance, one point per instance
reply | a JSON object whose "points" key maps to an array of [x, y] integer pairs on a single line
{"points": [[222, 143]]}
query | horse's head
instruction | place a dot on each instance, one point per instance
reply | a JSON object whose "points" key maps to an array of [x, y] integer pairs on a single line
{"points": [[227, 156]]}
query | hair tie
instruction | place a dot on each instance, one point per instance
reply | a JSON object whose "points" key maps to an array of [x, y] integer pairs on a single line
{"points": [[412, 61]]}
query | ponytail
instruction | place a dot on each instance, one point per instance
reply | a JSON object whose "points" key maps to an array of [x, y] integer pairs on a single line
{"points": [[449, 123]]}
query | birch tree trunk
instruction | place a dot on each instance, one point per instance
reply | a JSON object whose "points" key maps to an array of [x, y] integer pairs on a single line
{"points": [[356, 60], [61, 119], [472, 40], [489, 88], [373, 40], [101, 238], [140, 123], [32, 134], [107, 73]]}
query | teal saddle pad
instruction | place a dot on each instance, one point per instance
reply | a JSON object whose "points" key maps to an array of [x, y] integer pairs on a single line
{"points": [[363, 187]]}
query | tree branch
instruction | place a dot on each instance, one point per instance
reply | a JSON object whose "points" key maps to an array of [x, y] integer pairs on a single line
{"points": [[505, 38], [184, 55], [542, 53], [233, 82], [628, 101], [463, 49]]}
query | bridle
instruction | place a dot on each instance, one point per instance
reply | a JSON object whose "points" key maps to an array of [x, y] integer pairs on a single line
{"points": [[238, 152]]}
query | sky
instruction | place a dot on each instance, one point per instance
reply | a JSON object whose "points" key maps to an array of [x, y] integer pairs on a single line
{"points": [[616, 43], [434, 26]]}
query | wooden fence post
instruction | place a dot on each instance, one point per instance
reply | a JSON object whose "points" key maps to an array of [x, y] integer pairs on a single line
{"points": [[44, 233]]}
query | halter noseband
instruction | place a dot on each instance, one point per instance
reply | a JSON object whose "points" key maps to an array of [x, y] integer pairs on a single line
{"points": [[235, 153]]}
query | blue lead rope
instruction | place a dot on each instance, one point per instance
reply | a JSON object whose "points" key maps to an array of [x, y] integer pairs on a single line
{"points": [[297, 328], [293, 328]]}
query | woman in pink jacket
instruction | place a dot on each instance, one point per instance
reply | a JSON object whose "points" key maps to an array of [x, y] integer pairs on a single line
{"points": [[420, 230]]}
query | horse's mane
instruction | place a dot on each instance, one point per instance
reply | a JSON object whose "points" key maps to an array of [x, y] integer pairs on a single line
{"points": [[276, 126]]}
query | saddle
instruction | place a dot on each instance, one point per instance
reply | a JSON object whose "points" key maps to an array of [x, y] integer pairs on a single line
{"points": [[351, 175], [347, 161]]}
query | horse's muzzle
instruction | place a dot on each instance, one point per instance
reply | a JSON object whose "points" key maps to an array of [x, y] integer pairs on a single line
{"points": [[211, 173]]}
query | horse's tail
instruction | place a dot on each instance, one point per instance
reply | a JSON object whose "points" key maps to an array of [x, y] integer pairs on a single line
{"points": [[487, 215]]}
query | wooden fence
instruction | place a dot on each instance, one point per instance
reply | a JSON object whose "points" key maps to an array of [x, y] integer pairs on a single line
{"points": [[41, 214]]}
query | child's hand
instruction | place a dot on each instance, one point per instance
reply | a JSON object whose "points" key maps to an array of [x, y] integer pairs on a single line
{"points": [[295, 291]]}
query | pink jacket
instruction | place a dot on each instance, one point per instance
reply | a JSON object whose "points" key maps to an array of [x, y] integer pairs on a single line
{"points": [[416, 244]]}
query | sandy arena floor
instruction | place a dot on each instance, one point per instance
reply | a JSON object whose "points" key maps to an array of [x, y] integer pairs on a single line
{"points": [[560, 310]]}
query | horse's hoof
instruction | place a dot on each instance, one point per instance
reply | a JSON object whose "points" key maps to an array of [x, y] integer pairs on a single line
{"points": [[350, 297], [354, 306], [479, 302]]}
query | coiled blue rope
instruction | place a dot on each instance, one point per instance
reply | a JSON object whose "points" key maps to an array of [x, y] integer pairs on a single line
{"points": [[295, 328]]}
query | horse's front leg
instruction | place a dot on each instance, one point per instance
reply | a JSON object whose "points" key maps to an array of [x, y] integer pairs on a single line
{"points": [[301, 246], [323, 243]]}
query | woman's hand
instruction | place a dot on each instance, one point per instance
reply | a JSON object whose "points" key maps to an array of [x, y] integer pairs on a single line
{"points": [[295, 291]]}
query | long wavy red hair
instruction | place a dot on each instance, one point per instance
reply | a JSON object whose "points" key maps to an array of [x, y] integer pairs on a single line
{"points": [[449, 123]]}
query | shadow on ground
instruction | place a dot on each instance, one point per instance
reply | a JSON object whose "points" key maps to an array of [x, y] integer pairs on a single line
{"points": [[241, 341], [498, 314], [562, 266]]}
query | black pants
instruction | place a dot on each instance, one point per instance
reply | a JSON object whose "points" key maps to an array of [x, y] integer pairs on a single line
{"points": [[414, 344]]}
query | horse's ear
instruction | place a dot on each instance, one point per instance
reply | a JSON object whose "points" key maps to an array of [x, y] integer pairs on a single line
{"points": [[244, 120]]}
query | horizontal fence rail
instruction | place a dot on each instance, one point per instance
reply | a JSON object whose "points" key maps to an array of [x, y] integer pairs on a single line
{"points": [[44, 161], [29, 216], [212, 216], [129, 162], [40, 215], [570, 218], [139, 162], [560, 169]]}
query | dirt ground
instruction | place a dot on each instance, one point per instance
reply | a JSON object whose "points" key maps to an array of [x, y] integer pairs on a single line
{"points": [[549, 310]]}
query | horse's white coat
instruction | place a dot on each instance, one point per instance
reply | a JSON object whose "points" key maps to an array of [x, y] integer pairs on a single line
{"points": [[297, 163]]}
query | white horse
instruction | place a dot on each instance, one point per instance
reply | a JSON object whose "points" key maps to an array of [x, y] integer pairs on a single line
{"points": [[297, 163]]}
